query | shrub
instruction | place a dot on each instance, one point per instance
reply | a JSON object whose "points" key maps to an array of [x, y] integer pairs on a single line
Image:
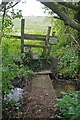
{"points": [[69, 105]]}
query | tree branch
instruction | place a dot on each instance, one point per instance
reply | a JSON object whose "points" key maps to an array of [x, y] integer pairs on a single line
{"points": [[55, 8], [12, 5], [8, 7], [70, 5]]}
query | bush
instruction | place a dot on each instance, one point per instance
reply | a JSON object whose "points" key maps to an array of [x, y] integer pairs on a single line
{"points": [[69, 105], [69, 63], [10, 69]]}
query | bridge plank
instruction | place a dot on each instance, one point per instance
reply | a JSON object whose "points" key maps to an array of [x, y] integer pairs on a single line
{"points": [[44, 72], [43, 83]]}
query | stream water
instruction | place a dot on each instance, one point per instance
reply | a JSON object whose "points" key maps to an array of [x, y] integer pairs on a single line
{"points": [[58, 87]]}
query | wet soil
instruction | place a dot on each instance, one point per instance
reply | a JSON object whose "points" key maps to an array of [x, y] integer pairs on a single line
{"points": [[38, 106]]}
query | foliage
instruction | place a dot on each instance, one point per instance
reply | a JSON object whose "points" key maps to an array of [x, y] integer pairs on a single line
{"points": [[10, 15], [10, 69], [8, 104], [69, 62], [68, 43], [69, 105], [66, 50], [11, 53], [34, 65], [10, 109]]}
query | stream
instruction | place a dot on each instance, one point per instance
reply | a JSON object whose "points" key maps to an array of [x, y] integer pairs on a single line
{"points": [[59, 87]]}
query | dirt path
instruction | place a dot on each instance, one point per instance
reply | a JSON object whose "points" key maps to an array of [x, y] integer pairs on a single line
{"points": [[38, 102]]}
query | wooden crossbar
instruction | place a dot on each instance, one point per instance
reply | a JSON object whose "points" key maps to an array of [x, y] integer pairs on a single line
{"points": [[31, 37], [37, 46], [45, 38]]}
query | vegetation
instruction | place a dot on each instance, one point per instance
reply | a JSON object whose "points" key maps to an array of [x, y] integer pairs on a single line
{"points": [[69, 106], [67, 50]]}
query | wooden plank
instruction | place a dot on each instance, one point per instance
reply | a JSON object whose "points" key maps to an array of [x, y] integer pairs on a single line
{"points": [[14, 36], [43, 83], [22, 35], [31, 37], [37, 46], [44, 72], [34, 37]]}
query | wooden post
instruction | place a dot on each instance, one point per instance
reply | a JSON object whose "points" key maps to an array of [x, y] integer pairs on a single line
{"points": [[22, 35], [46, 41], [47, 36], [54, 64], [49, 50]]}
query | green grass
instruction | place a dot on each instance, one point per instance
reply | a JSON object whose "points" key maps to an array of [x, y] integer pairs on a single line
{"points": [[33, 24]]}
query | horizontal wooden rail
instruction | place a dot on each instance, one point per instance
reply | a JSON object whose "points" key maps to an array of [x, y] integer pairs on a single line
{"points": [[15, 36], [31, 37], [37, 46], [35, 37]]}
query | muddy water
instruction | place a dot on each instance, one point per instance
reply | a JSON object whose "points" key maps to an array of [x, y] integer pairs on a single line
{"points": [[60, 87]]}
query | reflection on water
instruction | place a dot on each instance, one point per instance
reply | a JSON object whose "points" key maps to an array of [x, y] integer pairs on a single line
{"points": [[17, 94]]}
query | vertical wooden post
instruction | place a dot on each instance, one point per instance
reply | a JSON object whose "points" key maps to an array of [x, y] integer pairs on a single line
{"points": [[46, 41], [49, 50], [22, 35], [54, 62], [47, 36]]}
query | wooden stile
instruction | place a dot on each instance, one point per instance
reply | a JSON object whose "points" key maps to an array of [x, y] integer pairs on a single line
{"points": [[45, 38]]}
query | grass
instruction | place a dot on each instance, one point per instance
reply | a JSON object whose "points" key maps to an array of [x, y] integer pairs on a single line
{"points": [[33, 24]]}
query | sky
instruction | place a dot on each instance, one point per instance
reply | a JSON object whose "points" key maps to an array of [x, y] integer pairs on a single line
{"points": [[31, 7]]}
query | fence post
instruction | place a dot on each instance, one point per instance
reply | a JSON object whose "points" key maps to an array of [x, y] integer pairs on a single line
{"points": [[46, 41], [22, 35], [54, 65], [47, 36]]}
